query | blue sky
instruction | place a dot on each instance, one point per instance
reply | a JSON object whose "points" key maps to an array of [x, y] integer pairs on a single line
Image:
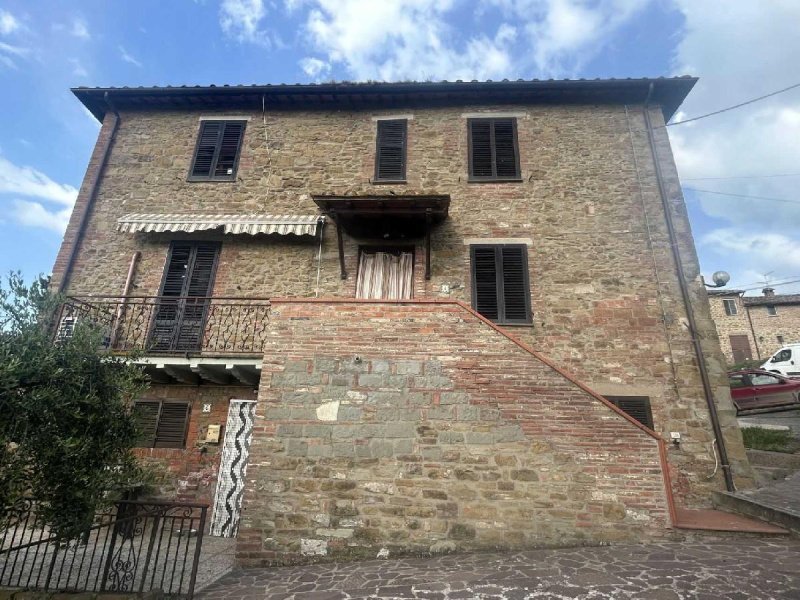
{"points": [[745, 50]]}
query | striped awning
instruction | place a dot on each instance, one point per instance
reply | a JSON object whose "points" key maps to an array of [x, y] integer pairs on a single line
{"points": [[252, 224]]}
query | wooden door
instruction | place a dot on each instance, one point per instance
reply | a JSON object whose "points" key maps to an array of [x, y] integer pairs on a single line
{"points": [[740, 346]]}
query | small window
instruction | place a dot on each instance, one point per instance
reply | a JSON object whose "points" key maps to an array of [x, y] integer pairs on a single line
{"points": [[780, 339], [772, 310], [493, 150], [161, 424], [500, 285], [730, 307], [216, 156], [636, 406], [390, 154]]}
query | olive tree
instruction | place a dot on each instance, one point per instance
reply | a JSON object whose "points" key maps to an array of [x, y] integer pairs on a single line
{"points": [[66, 422]]}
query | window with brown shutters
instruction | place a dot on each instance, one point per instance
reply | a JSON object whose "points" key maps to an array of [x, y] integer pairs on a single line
{"points": [[161, 424], [636, 406], [216, 156], [500, 284], [183, 303], [493, 150], [390, 153]]}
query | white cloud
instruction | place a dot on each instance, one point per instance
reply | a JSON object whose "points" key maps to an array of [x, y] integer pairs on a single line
{"points": [[34, 214], [9, 52], [128, 58], [241, 20], [314, 67], [8, 23], [77, 68], [80, 29], [746, 50], [27, 181]]}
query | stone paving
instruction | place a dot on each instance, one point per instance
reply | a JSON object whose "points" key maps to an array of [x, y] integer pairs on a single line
{"points": [[707, 568], [783, 495]]}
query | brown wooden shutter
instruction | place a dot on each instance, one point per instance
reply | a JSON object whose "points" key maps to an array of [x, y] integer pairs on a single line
{"points": [[390, 154], [172, 424], [740, 348], [145, 413], [216, 156], [516, 297], [480, 163], [229, 149], [207, 143], [636, 406], [484, 281], [493, 149]]}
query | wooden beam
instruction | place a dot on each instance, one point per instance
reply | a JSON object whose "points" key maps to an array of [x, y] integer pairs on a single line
{"points": [[428, 244], [340, 243], [183, 375]]}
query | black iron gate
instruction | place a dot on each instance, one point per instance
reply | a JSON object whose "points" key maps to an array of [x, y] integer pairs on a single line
{"points": [[135, 547]]}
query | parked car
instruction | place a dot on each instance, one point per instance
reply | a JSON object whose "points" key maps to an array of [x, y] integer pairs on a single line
{"points": [[756, 388], [785, 361]]}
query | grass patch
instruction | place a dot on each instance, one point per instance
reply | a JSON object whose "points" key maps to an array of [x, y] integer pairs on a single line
{"points": [[770, 440]]}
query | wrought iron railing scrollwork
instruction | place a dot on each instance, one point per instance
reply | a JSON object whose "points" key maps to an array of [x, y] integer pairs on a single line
{"points": [[134, 548], [164, 324]]}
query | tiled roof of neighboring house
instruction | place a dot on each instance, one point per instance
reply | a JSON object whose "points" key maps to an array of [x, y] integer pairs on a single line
{"points": [[777, 299], [725, 292], [668, 92]]}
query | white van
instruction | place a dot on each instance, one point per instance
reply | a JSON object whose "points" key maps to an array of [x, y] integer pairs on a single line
{"points": [[785, 361]]}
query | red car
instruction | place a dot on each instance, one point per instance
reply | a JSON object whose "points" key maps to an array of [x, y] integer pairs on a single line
{"points": [[754, 388]]}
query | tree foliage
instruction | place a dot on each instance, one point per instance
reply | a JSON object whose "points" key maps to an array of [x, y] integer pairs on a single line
{"points": [[66, 423]]}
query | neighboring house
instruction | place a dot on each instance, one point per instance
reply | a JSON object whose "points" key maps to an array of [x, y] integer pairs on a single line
{"points": [[420, 316], [754, 327]]}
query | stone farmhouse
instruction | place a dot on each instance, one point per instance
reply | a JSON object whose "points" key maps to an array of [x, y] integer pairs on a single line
{"points": [[407, 317], [754, 327]]}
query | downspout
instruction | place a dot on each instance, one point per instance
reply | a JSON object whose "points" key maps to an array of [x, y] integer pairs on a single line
{"points": [[752, 329], [701, 360], [92, 195], [126, 291]]}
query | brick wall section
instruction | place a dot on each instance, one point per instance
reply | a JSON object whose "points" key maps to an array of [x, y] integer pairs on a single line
{"points": [[418, 428], [189, 474], [604, 289]]}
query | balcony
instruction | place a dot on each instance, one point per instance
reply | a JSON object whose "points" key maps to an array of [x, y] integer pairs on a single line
{"points": [[179, 339]]}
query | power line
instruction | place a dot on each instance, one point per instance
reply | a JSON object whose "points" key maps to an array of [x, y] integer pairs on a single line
{"points": [[740, 177], [770, 285], [722, 110], [742, 195], [778, 281]]}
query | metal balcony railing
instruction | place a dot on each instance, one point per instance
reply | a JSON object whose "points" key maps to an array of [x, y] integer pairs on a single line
{"points": [[171, 324]]}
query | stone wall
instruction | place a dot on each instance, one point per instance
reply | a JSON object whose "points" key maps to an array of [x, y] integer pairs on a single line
{"points": [[407, 428], [190, 474], [605, 294], [768, 327]]}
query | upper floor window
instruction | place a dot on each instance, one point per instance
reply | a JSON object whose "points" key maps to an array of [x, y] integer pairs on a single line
{"points": [[216, 156], [390, 153], [780, 339], [730, 307], [772, 310], [500, 285], [493, 150]]}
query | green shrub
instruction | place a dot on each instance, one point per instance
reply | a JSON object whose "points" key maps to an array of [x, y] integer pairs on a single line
{"points": [[771, 440]]}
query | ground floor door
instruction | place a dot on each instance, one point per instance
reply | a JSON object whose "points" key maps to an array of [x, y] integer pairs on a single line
{"points": [[740, 347], [233, 468]]}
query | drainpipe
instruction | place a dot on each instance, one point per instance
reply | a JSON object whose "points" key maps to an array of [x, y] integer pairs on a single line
{"points": [[92, 195], [701, 360], [752, 329]]}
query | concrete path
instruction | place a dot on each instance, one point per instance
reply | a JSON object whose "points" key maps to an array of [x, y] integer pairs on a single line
{"points": [[714, 568]]}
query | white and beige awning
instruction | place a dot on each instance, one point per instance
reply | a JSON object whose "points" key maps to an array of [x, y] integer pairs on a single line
{"points": [[235, 224]]}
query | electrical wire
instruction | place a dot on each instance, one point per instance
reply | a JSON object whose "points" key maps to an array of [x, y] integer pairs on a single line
{"points": [[740, 177], [770, 285], [722, 110], [689, 189]]}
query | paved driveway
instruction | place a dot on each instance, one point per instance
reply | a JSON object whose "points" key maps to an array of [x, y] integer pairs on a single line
{"points": [[716, 568]]}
